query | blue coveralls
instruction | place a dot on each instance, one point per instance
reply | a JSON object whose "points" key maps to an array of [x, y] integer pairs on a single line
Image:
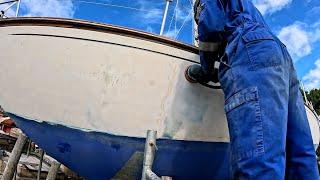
{"points": [[269, 131]]}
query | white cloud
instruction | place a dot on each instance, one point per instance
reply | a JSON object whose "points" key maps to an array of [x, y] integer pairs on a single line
{"points": [[151, 12], [171, 33], [50, 8], [271, 6], [182, 13], [297, 40], [154, 16], [312, 78], [315, 35], [150, 29], [314, 11]]}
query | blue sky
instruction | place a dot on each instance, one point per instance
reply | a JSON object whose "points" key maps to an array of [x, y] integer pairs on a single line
{"points": [[295, 22]]}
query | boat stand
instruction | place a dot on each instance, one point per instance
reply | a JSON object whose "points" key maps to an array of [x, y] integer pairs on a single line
{"points": [[11, 167], [149, 153], [55, 165], [40, 164], [10, 171]]}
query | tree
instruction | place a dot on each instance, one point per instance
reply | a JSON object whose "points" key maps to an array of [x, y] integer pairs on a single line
{"points": [[314, 97]]}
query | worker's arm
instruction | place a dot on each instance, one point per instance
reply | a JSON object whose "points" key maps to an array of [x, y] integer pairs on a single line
{"points": [[210, 17], [211, 25]]}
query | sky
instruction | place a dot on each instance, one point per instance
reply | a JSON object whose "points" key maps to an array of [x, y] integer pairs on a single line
{"points": [[295, 22]]}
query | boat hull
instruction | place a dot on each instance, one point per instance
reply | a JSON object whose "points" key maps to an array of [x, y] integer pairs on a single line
{"points": [[87, 94], [106, 82]]}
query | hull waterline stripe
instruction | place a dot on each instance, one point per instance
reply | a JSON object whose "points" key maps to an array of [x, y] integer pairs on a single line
{"points": [[105, 42]]}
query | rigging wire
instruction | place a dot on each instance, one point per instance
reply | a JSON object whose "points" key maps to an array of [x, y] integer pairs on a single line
{"points": [[144, 10], [174, 15], [7, 2], [193, 26], [184, 22], [175, 22], [112, 5]]}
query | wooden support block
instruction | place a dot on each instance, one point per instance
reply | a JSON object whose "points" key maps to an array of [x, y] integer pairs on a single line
{"points": [[53, 170], [14, 158], [40, 164]]}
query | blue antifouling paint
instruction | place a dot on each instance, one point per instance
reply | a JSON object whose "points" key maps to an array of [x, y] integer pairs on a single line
{"points": [[96, 155]]}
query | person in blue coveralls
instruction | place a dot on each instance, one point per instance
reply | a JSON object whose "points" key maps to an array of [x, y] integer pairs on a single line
{"points": [[269, 132]]}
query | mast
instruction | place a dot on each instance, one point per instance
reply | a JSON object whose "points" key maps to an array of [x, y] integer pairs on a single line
{"points": [[165, 16]]}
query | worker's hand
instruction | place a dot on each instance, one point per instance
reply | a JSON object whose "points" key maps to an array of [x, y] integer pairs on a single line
{"points": [[195, 74]]}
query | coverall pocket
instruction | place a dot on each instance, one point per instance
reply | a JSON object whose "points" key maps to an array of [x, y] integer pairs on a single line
{"points": [[263, 50], [245, 124]]}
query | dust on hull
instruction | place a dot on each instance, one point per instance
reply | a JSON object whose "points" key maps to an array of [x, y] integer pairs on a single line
{"points": [[106, 82]]}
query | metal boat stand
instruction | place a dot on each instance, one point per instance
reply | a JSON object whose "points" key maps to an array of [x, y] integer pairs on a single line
{"points": [[40, 164], [10, 171], [149, 154], [11, 166]]}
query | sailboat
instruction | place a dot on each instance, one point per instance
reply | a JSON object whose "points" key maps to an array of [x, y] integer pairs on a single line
{"points": [[87, 93]]}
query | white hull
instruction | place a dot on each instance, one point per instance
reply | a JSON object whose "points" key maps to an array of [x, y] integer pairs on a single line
{"points": [[108, 82]]}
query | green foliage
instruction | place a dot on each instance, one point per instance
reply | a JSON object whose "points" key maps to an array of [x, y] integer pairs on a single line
{"points": [[314, 97]]}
